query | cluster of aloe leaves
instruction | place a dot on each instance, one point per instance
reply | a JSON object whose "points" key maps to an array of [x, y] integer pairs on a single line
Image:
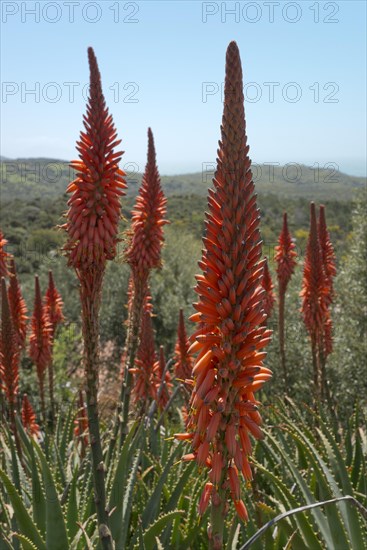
{"points": [[46, 496]]}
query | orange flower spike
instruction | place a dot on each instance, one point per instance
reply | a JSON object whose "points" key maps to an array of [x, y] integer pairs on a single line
{"points": [[94, 207], [285, 255], [40, 340], [17, 306], [313, 285], [4, 257], [9, 354], [314, 295], [145, 386], [329, 265], [267, 284], [54, 304], [230, 308], [183, 360], [144, 252], [29, 418]]}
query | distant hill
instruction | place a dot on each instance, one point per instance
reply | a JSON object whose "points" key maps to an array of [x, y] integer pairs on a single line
{"points": [[31, 178]]}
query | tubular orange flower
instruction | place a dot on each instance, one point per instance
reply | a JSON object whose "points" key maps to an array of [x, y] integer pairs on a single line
{"points": [[325, 343], [267, 284], [9, 357], [29, 418], [230, 309], [183, 360], [17, 306], [92, 228], [327, 251], [285, 257], [145, 379], [40, 341], [328, 261], [143, 254], [9, 361], [313, 294], [54, 304], [94, 207], [4, 256]]}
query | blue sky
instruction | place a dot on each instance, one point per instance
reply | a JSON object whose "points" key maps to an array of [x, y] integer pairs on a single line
{"points": [[162, 65]]}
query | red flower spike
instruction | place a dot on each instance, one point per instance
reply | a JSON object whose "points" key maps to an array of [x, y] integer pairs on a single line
{"points": [[230, 306], [314, 295], [94, 207], [29, 418], [9, 354], [285, 255], [54, 304], [4, 257], [314, 285], [183, 360], [40, 340], [327, 251], [145, 379], [267, 284], [144, 252], [18, 308]]}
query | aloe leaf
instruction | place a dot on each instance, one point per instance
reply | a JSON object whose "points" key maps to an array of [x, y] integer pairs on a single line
{"points": [[24, 521], [38, 497], [72, 513], [152, 506], [127, 505], [320, 519], [116, 497], [302, 522], [25, 542], [337, 463], [291, 512], [155, 528], [56, 535]]}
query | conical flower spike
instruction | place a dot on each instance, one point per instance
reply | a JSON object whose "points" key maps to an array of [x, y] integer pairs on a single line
{"points": [[94, 207], [54, 306], [143, 254], [230, 339], [313, 294], [285, 255], [29, 418], [92, 227], [40, 342], [285, 258], [145, 381], [9, 355], [18, 307]]}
